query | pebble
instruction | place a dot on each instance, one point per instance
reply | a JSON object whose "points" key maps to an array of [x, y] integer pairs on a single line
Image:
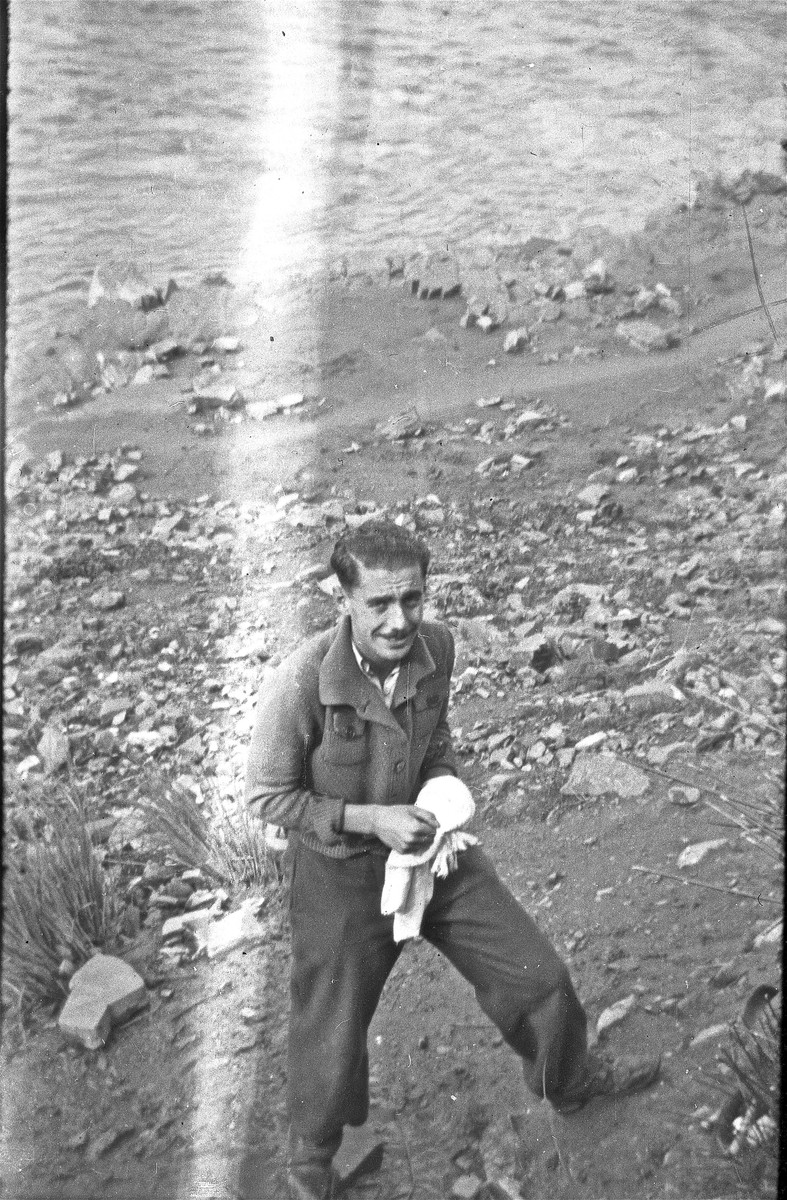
{"points": [[107, 600], [691, 856]]}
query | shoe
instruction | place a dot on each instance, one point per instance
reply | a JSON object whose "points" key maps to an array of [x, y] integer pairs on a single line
{"points": [[607, 1076], [312, 1181]]}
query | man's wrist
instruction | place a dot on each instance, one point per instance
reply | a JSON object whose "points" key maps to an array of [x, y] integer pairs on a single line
{"points": [[360, 818]]}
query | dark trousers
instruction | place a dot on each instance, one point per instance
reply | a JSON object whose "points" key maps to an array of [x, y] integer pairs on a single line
{"points": [[343, 951]]}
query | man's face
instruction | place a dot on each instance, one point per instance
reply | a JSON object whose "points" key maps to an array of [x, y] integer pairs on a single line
{"points": [[386, 607]]}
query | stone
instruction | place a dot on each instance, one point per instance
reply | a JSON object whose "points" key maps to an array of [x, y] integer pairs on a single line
{"points": [[238, 929], [112, 708], [592, 496], [218, 393], [166, 526], [775, 389], [163, 350], [486, 323], [683, 796], [123, 495], [591, 741], [770, 937], [144, 375], [597, 279], [27, 643], [53, 749], [125, 472], [694, 854], [103, 992], [291, 400], [647, 336], [226, 344], [260, 410], [516, 340], [575, 290], [466, 1187], [125, 282], [711, 1034], [600, 774], [655, 696], [615, 1014], [539, 651], [104, 1142], [107, 600]]}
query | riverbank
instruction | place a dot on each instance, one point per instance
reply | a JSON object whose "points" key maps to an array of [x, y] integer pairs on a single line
{"points": [[608, 527]]}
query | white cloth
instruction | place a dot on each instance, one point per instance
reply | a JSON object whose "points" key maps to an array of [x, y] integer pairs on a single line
{"points": [[409, 878]]}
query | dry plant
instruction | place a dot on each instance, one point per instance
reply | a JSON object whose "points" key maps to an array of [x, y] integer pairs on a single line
{"points": [[59, 905], [229, 849], [747, 1125]]}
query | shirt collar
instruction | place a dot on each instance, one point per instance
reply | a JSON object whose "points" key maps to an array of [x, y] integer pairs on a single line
{"points": [[386, 685]]}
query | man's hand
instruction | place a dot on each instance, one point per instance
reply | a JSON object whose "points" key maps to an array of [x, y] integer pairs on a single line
{"points": [[403, 827]]}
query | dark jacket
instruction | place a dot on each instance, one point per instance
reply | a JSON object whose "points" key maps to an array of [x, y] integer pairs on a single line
{"points": [[323, 737]]}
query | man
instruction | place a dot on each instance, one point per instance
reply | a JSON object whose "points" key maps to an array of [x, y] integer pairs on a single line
{"points": [[348, 731]]}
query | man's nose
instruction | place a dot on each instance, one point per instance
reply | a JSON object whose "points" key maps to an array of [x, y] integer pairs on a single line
{"points": [[400, 620]]}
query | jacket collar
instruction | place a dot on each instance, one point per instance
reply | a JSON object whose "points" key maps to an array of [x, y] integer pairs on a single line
{"points": [[343, 682]]}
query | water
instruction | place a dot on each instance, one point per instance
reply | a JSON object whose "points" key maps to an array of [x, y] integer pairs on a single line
{"points": [[269, 138]]}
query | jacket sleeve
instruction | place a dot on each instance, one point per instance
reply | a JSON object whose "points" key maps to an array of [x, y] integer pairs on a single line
{"points": [[285, 733], [440, 758]]}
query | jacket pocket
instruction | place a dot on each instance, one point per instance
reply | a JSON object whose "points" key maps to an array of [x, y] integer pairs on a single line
{"points": [[345, 738], [428, 703]]}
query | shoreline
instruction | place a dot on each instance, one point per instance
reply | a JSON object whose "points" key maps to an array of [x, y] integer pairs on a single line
{"points": [[335, 337]]}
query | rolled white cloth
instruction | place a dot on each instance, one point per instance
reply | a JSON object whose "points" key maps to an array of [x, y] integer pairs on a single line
{"points": [[409, 878]]}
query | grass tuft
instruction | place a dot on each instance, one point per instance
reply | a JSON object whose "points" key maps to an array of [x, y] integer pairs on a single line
{"points": [[229, 848], [59, 905]]}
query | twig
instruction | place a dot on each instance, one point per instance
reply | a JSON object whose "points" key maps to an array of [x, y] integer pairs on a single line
{"points": [[714, 887], [746, 716], [760, 292]]}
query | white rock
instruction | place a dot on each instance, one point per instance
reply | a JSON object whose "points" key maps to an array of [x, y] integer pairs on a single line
{"points": [[769, 937], [575, 290], [647, 335], [291, 400], [591, 741], [615, 1014], [712, 1033], [259, 410], [692, 855], [53, 749], [516, 340], [593, 495], [599, 774], [239, 928], [775, 389], [103, 992]]}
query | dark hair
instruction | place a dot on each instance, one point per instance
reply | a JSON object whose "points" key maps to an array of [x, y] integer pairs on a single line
{"points": [[377, 544]]}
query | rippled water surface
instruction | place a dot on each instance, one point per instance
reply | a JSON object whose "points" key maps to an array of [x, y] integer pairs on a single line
{"points": [[267, 138]]}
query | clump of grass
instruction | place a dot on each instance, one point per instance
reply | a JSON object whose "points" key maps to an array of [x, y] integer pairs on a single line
{"points": [[229, 848], [747, 1127], [59, 905]]}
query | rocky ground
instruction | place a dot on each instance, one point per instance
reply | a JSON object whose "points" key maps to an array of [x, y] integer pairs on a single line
{"points": [[592, 439]]}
